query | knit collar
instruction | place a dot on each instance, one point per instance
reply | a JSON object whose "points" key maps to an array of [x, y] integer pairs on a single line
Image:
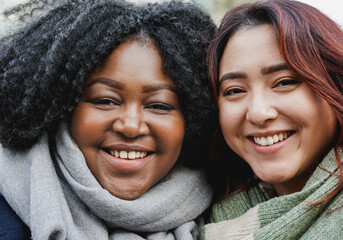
{"points": [[251, 214]]}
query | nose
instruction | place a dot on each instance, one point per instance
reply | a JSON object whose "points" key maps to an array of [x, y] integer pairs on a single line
{"points": [[131, 122], [261, 110]]}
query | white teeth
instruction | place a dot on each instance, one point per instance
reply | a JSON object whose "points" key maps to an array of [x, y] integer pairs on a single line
{"points": [[270, 140], [280, 136], [263, 141], [258, 140], [128, 154], [275, 138], [123, 154], [132, 155], [116, 154]]}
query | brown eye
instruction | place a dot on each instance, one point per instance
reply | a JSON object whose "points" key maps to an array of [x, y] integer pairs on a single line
{"points": [[233, 92], [287, 82]]}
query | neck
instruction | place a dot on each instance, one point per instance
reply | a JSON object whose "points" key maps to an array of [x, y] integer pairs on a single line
{"points": [[292, 186]]}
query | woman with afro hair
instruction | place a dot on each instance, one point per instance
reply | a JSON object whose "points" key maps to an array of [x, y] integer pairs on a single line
{"points": [[105, 119]]}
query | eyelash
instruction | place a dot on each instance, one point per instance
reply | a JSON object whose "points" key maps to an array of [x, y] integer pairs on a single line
{"points": [[161, 107], [282, 83], [232, 91], [287, 82], [104, 101], [111, 102]]}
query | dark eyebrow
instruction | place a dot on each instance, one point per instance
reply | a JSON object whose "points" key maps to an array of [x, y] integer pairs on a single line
{"points": [[157, 87], [106, 81], [232, 75], [274, 68], [264, 71], [118, 85]]}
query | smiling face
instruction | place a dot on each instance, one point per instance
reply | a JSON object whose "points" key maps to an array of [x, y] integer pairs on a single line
{"points": [[128, 123], [271, 119]]}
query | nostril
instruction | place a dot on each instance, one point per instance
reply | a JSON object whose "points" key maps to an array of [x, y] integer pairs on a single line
{"points": [[130, 128], [118, 125], [261, 115]]}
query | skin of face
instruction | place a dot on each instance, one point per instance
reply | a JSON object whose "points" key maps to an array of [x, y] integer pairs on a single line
{"points": [[129, 106], [260, 97]]}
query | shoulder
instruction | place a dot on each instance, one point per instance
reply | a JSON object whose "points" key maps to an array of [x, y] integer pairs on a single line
{"points": [[11, 226]]}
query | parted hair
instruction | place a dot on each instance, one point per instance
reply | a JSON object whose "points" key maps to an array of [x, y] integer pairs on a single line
{"points": [[44, 65], [312, 46]]}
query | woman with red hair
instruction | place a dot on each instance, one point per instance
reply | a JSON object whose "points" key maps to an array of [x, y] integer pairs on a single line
{"points": [[277, 72]]}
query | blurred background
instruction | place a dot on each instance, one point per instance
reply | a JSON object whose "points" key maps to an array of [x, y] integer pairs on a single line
{"points": [[217, 8]]}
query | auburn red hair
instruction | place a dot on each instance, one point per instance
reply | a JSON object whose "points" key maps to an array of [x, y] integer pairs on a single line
{"points": [[310, 42]]}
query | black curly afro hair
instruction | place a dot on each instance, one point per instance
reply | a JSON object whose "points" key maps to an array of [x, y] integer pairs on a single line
{"points": [[43, 67]]}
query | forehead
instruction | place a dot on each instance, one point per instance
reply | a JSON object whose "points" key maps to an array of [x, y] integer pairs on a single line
{"points": [[254, 46], [136, 61], [133, 53]]}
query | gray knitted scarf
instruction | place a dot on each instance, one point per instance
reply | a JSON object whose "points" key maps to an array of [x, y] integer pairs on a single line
{"points": [[61, 199]]}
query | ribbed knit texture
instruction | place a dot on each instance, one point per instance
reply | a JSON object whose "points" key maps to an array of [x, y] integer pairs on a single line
{"points": [[267, 216]]}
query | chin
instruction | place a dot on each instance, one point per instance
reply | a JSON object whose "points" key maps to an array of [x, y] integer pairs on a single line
{"points": [[127, 195]]}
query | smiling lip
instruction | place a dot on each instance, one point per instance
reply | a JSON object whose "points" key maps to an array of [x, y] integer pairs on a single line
{"points": [[127, 154], [126, 164], [269, 142], [128, 148]]}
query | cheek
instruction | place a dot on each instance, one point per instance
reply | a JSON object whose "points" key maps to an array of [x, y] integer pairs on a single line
{"points": [[230, 119], [311, 112], [322, 123], [169, 133], [77, 124], [85, 126], [176, 133]]}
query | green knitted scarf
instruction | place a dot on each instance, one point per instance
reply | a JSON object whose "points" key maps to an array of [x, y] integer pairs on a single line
{"points": [[257, 213]]}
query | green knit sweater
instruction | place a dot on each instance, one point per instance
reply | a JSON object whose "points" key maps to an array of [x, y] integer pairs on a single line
{"points": [[257, 213]]}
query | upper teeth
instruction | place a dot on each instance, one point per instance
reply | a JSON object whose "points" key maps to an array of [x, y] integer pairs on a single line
{"points": [[269, 140], [128, 154]]}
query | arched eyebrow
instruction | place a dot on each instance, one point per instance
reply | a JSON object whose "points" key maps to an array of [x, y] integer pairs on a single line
{"points": [[274, 68], [109, 82], [157, 87], [264, 71], [232, 75], [114, 84]]}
